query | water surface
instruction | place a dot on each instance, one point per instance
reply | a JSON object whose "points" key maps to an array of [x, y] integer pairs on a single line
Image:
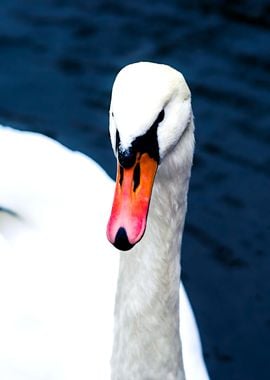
{"points": [[58, 62]]}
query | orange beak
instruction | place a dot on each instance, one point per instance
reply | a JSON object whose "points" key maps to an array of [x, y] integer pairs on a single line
{"points": [[132, 196]]}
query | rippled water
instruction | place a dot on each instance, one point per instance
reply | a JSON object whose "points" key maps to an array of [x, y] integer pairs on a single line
{"points": [[58, 62]]}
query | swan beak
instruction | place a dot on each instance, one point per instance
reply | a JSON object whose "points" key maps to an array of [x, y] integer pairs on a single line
{"points": [[132, 196]]}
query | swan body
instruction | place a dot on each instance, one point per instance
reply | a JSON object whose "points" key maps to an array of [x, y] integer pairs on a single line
{"points": [[56, 293], [58, 273]]}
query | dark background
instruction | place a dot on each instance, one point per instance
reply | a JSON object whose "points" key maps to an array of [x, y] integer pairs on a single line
{"points": [[58, 60]]}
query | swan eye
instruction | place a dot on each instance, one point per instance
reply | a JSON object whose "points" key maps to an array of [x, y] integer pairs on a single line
{"points": [[112, 114], [160, 117]]}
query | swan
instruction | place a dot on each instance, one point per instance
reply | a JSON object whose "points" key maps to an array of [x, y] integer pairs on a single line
{"points": [[70, 305]]}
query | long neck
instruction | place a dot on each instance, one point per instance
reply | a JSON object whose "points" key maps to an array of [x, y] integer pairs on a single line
{"points": [[146, 337]]}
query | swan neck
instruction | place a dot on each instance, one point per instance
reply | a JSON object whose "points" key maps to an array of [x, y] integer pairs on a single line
{"points": [[146, 337]]}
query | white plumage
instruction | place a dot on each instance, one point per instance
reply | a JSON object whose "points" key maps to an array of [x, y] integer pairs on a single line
{"points": [[58, 273]]}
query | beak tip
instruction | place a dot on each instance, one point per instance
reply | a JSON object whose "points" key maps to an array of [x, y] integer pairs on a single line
{"points": [[121, 241]]}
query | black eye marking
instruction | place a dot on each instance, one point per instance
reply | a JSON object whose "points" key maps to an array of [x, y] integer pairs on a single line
{"points": [[136, 176], [160, 117], [112, 114], [121, 175], [147, 143]]}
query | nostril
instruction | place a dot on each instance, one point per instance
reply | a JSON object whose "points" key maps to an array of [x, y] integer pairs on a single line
{"points": [[136, 177], [121, 240], [121, 175]]}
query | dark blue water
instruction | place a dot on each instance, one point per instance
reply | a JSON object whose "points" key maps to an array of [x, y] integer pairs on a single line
{"points": [[58, 60]]}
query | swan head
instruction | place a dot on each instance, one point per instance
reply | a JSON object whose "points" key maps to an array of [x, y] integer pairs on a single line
{"points": [[149, 112]]}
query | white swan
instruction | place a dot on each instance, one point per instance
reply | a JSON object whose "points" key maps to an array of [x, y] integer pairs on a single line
{"points": [[58, 273]]}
